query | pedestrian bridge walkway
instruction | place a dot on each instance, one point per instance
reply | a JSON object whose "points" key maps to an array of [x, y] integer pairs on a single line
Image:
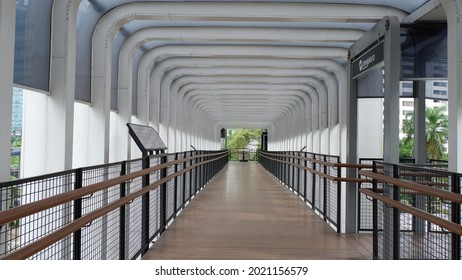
{"points": [[235, 210], [244, 213]]}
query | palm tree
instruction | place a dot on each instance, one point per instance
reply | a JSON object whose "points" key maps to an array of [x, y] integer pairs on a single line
{"points": [[436, 132]]}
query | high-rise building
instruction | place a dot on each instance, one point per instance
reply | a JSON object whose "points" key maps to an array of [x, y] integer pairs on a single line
{"points": [[16, 121]]}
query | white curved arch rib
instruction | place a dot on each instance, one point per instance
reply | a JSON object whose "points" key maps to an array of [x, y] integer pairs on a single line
{"points": [[193, 11], [263, 72]]}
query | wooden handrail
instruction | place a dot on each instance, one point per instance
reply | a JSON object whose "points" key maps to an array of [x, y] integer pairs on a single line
{"points": [[327, 176], [326, 163], [448, 225], [423, 189], [75, 225]]}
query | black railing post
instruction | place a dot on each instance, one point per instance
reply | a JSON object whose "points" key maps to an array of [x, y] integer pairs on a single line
{"points": [[298, 174], [280, 169], [396, 216], [292, 161], [175, 185], [163, 195], [375, 229], [190, 177], [145, 208], [196, 174], [455, 217], [185, 155], [313, 194], [211, 167], [207, 168], [339, 197], [77, 237], [287, 169], [325, 200], [283, 178], [305, 173], [122, 210], [273, 157]]}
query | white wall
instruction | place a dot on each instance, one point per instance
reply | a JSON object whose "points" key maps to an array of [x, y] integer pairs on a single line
{"points": [[81, 142], [34, 139], [370, 128]]}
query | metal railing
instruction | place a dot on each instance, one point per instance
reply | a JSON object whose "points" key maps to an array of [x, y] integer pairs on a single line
{"points": [[234, 154], [112, 211], [365, 203], [416, 212], [315, 178]]}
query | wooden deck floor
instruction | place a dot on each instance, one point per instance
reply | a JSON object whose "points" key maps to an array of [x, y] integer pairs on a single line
{"points": [[245, 214]]}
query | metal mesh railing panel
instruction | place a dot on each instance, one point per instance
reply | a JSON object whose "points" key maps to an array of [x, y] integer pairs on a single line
{"points": [[100, 238], [19, 233], [319, 190], [170, 194], [364, 202], [302, 182], [332, 199], [95, 236], [124, 228], [310, 186], [154, 211], [133, 216], [179, 185], [405, 236]]}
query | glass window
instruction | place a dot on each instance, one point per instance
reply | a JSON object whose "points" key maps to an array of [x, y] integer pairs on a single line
{"points": [[32, 43]]}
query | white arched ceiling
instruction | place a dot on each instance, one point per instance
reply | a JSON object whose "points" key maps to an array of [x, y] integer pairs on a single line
{"points": [[230, 40], [153, 57]]}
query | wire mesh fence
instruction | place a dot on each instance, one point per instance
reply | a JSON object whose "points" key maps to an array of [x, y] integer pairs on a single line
{"points": [[22, 232], [402, 234], [306, 174], [122, 233]]}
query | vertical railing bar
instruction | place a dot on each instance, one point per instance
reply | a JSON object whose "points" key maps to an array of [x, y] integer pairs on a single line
{"points": [[455, 218], [293, 171], [375, 229], [313, 194], [306, 178], [185, 155], [145, 208], [77, 242], [190, 178], [175, 182], [396, 216], [163, 195], [122, 212], [325, 201], [298, 174], [339, 197]]}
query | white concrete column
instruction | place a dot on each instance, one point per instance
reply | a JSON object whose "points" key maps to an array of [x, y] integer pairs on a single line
{"points": [[7, 35], [60, 118], [454, 16], [124, 114], [49, 119]]}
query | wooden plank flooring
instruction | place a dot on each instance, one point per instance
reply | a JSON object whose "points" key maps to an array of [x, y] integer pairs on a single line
{"points": [[246, 214]]}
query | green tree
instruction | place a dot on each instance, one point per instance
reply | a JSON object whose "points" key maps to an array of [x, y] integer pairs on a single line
{"points": [[436, 134], [241, 138], [16, 141]]}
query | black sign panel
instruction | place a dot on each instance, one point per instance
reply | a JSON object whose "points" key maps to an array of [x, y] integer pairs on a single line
{"points": [[146, 138], [368, 60]]}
